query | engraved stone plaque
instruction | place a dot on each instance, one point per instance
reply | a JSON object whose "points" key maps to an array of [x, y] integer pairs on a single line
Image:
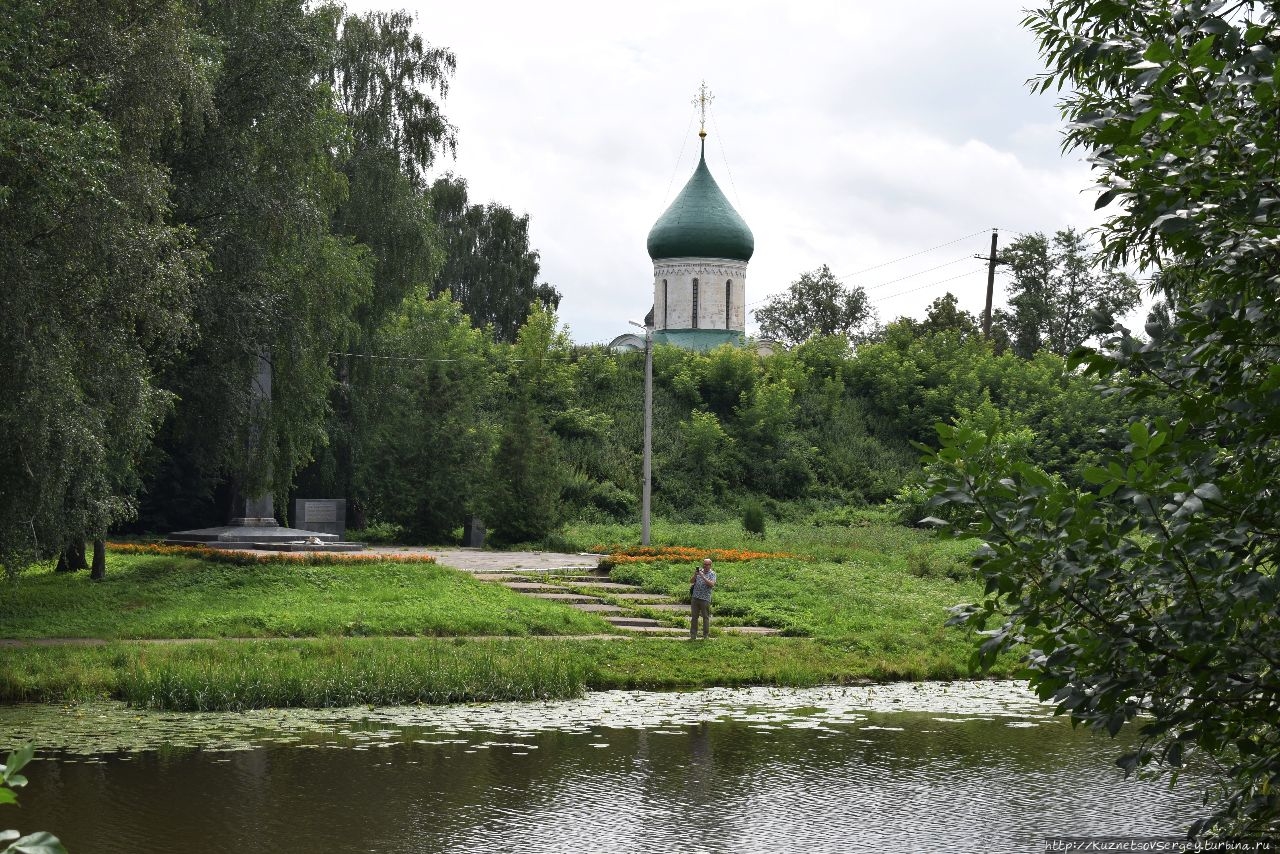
{"points": [[325, 515]]}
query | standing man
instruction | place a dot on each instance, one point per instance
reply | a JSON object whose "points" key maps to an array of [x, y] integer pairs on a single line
{"points": [[704, 578]]}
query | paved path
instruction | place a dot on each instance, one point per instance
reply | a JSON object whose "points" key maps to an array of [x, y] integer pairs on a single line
{"points": [[477, 560]]}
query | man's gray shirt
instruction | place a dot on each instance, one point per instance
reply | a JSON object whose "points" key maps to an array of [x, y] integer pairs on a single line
{"points": [[701, 589]]}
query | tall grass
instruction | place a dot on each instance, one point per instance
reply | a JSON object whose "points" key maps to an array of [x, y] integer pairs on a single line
{"points": [[238, 675], [375, 672], [234, 676]]}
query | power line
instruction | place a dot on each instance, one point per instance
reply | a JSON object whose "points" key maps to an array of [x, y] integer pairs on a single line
{"points": [[547, 358], [914, 254], [684, 140], [925, 287], [895, 261], [919, 273], [727, 167]]}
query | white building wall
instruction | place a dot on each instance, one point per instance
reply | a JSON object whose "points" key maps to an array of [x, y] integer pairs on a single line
{"points": [[673, 293]]}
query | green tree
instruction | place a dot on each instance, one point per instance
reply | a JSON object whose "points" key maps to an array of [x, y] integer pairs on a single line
{"points": [[489, 266], [528, 474], [388, 85], [427, 403], [259, 183], [1150, 600], [815, 304], [1056, 294], [944, 314], [97, 281]]}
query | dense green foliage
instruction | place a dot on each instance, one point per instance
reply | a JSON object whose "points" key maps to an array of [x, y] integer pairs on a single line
{"points": [[189, 191], [1153, 591], [814, 304], [97, 277], [1056, 297], [489, 267]]}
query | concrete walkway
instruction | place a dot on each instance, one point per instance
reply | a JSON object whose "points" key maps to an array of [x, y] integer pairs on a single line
{"points": [[478, 560]]}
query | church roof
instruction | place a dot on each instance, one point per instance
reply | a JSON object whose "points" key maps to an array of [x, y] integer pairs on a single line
{"points": [[701, 223]]}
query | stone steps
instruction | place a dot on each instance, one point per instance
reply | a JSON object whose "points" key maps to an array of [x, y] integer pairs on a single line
{"points": [[596, 607], [634, 622], [564, 598], [602, 585], [626, 601], [660, 631]]}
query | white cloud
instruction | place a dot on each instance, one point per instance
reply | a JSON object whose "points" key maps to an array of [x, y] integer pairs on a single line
{"points": [[855, 134]]}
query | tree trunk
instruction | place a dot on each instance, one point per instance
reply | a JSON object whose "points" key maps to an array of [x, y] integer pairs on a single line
{"points": [[71, 558], [99, 570], [356, 518]]}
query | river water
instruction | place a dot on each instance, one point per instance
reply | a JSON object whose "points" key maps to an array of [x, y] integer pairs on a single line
{"points": [[934, 767]]}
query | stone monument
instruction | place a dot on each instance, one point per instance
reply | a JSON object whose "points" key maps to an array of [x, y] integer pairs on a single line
{"points": [[253, 522]]}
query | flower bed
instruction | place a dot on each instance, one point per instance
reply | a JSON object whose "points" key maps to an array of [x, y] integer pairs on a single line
{"points": [[243, 558]]}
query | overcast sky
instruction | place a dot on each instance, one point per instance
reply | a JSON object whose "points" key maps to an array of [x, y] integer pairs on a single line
{"points": [[845, 133]]}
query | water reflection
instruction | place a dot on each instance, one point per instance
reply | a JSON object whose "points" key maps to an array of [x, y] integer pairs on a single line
{"points": [[885, 781]]}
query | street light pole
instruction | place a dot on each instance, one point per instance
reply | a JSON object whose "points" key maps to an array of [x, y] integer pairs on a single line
{"points": [[646, 489]]}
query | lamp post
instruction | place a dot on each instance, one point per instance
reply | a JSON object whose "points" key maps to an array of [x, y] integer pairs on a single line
{"points": [[646, 488]]}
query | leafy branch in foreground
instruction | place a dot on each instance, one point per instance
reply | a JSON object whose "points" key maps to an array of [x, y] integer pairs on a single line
{"points": [[40, 842], [1155, 592]]}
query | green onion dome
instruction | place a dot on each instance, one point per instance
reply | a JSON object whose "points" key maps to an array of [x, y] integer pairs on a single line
{"points": [[701, 223]]}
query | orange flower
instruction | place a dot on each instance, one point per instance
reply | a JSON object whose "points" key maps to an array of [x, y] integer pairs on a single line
{"points": [[240, 558]]}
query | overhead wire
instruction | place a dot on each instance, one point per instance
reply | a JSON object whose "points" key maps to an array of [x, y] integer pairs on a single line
{"points": [[684, 141], [914, 254], [924, 287], [720, 141], [918, 273], [763, 300], [547, 358]]}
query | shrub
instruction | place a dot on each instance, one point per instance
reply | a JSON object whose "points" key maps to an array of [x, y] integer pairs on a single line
{"points": [[378, 533], [753, 518]]}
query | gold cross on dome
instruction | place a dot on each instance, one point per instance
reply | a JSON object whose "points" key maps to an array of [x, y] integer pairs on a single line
{"points": [[701, 101]]}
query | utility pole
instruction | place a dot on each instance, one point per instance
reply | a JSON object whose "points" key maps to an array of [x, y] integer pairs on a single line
{"points": [[991, 284]]}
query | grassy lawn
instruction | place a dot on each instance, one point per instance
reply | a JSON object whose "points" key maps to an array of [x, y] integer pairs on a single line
{"points": [[147, 596], [861, 600], [872, 586]]}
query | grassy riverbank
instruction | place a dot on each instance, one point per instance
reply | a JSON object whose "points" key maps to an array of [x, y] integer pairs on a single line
{"points": [[861, 599], [323, 672]]}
